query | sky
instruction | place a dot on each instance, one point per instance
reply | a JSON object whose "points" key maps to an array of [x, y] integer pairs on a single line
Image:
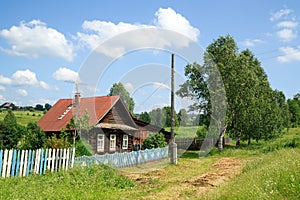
{"points": [[46, 46]]}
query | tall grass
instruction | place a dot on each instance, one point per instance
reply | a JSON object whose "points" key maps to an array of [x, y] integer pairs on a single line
{"points": [[275, 175], [96, 182]]}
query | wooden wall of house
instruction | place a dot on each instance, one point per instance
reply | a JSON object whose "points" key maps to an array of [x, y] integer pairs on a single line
{"points": [[92, 139]]}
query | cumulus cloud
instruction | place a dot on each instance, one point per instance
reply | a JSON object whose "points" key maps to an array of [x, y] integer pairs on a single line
{"points": [[65, 74], [287, 24], [286, 35], [34, 39], [169, 19], [23, 78], [251, 42], [282, 13], [22, 92], [289, 54], [96, 32]]}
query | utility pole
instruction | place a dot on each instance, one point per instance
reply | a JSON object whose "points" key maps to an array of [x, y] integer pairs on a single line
{"points": [[173, 145]]}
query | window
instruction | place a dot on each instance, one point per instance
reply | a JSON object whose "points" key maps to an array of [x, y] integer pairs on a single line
{"points": [[112, 142], [125, 142], [100, 142]]}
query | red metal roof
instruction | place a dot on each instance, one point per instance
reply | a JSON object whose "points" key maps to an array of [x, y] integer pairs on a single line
{"points": [[62, 111]]}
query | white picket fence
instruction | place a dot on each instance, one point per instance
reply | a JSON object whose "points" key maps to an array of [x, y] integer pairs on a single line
{"points": [[25, 162]]}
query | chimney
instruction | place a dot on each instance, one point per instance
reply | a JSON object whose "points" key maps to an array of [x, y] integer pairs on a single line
{"points": [[77, 100]]}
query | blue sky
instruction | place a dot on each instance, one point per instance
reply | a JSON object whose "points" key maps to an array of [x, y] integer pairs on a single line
{"points": [[44, 44]]}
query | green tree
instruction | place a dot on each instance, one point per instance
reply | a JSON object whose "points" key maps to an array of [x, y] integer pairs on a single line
{"points": [[158, 117], [156, 140], [144, 116], [10, 131], [253, 111], [39, 107], [294, 110], [183, 117], [79, 125], [47, 106], [33, 137], [119, 89], [167, 111]]}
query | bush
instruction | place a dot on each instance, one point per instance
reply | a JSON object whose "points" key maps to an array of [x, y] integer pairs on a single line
{"points": [[154, 141], [201, 131], [83, 148]]}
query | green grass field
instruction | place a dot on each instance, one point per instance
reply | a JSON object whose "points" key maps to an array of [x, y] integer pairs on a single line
{"points": [[24, 117], [264, 170]]}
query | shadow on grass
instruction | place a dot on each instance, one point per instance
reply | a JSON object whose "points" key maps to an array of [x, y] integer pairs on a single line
{"points": [[190, 154]]}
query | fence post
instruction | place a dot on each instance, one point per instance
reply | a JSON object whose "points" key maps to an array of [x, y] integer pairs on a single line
{"points": [[73, 157], [53, 159], [9, 162], [42, 159], [49, 160], [29, 162], [25, 162], [67, 161], [13, 163], [45, 161], [4, 163]]}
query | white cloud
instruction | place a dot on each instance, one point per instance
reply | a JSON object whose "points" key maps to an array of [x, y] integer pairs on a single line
{"points": [[24, 78], [2, 88], [283, 13], [2, 98], [34, 39], [169, 19], [251, 43], [289, 54], [96, 32], [286, 35], [65, 74], [287, 24], [4, 80], [22, 92]]}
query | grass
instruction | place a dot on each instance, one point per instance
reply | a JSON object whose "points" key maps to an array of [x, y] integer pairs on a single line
{"points": [[97, 182], [24, 117], [184, 131], [269, 170], [274, 175]]}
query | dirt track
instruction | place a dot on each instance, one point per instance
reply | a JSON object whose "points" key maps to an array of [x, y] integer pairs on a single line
{"points": [[219, 172]]}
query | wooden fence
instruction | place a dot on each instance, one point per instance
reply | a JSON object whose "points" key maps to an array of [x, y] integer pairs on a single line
{"points": [[24, 162], [124, 159]]}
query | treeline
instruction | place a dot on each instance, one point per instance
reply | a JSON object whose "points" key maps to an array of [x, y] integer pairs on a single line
{"points": [[12, 106]]}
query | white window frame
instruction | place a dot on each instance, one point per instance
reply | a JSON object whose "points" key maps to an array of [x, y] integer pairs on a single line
{"points": [[100, 142], [125, 142], [112, 142]]}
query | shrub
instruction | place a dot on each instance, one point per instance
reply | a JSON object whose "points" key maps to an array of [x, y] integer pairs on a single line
{"points": [[83, 148], [154, 141], [201, 131]]}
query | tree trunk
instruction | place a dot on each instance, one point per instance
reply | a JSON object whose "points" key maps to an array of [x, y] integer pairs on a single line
{"points": [[249, 141], [221, 138], [238, 139]]}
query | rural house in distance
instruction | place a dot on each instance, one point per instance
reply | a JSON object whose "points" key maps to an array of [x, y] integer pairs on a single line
{"points": [[114, 129]]}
